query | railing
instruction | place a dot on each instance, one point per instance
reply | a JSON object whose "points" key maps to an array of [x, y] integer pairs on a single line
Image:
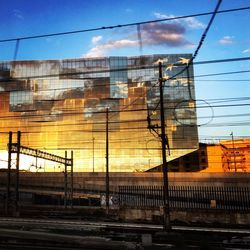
{"points": [[186, 197], [180, 197]]}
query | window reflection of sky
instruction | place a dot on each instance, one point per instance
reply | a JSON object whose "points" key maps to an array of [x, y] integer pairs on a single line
{"points": [[72, 97]]}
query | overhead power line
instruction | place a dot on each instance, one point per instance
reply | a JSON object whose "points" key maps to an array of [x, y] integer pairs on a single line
{"points": [[224, 80], [202, 39], [190, 62], [132, 68], [225, 73], [117, 122], [127, 111], [122, 25]]}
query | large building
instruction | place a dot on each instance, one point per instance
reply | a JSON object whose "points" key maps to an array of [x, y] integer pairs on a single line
{"points": [[62, 105], [226, 156], [229, 156]]}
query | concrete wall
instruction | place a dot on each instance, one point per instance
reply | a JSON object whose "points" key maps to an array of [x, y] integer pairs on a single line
{"points": [[187, 217]]}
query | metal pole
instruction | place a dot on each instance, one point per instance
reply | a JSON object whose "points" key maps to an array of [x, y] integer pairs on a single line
{"points": [[36, 158], [65, 181], [166, 212], [235, 167], [17, 172], [107, 161], [72, 181], [9, 173], [93, 154]]}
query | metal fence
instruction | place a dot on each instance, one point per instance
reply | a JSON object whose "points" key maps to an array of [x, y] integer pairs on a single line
{"points": [[186, 197]]}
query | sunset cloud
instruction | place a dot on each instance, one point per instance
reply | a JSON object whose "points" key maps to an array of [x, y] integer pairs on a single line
{"points": [[164, 34], [152, 34]]}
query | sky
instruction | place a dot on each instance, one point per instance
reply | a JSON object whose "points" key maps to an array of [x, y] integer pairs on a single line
{"points": [[228, 37]]}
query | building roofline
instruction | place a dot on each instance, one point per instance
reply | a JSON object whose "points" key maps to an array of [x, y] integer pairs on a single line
{"points": [[93, 58]]}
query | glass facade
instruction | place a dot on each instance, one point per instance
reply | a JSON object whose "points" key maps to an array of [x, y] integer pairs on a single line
{"points": [[61, 105]]}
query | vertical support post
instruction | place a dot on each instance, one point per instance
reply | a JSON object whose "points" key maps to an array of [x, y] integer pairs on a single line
{"points": [[36, 159], [17, 173], [71, 181], [93, 154], [166, 212], [65, 181], [9, 174], [107, 161]]}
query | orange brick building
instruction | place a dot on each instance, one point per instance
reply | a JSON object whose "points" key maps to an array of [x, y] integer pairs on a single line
{"points": [[226, 156], [236, 156]]}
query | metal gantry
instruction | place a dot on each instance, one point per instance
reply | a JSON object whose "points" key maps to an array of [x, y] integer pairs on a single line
{"points": [[17, 148], [40, 154]]}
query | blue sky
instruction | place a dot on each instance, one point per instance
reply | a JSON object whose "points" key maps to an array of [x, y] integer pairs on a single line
{"points": [[229, 37]]}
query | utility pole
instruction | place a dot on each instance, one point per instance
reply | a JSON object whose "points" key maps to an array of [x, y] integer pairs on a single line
{"points": [[9, 174], [65, 181], [71, 181], [36, 158], [235, 167], [17, 173], [93, 153], [107, 160], [166, 212]]}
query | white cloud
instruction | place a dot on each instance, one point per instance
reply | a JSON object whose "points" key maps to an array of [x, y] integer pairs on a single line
{"points": [[18, 14], [194, 23], [96, 39], [190, 46], [119, 44], [226, 40], [162, 16], [95, 52], [100, 50], [191, 22], [246, 51]]}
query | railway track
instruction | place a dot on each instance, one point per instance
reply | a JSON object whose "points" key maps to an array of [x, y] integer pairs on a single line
{"points": [[19, 233], [32, 246], [187, 244], [114, 225]]}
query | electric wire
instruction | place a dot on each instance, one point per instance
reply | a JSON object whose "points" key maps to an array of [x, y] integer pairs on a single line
{"points": [[202, 38], [131, 110], [145, 67], [123, 25], [190, 62], [215, 61]]}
